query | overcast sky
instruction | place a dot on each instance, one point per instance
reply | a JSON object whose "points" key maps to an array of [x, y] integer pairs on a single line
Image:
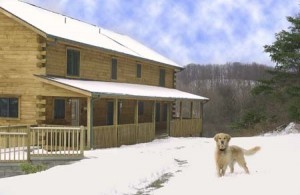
{"points": [[189, 31]]}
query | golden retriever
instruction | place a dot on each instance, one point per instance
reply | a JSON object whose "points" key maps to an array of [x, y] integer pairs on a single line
{"points": [[226, 155]]}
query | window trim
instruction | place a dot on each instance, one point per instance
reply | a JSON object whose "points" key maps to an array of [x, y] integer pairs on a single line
{"points": [[74, 49], [19, 107]]}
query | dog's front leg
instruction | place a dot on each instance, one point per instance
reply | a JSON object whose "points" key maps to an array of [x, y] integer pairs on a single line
{"points": [[223, 170], [219, 171]]}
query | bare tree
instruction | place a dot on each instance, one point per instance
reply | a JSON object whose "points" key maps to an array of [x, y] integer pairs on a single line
{"points": [[227, 86]]}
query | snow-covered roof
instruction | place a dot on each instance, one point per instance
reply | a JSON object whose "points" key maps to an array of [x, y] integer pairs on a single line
{"points": [[111, 89], [57, 25]]}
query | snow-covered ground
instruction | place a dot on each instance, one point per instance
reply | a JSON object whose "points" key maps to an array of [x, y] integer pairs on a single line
{"points": [[171, 166]]}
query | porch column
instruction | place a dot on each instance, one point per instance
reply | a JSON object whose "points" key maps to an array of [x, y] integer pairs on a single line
{"points": [[90, 121], [136, 119], [154, 115]]}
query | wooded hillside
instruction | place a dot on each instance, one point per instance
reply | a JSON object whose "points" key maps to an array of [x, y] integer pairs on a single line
{"points": [[228, 87]]}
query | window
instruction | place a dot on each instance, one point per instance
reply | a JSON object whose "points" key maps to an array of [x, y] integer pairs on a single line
{"points": [[59, 108], [9, 107], [114, 63], [73, 62], [138, 71], [162, 76], [141, 108]]}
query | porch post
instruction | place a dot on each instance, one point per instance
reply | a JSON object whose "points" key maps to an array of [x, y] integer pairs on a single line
{"points": [[136, 119], [154, 115], [90, 121]]}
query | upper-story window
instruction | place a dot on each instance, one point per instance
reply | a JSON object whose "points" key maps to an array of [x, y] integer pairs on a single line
{"points": [[114, 64], [9, 107], [138, 71], [162, 77], [73, 62]]}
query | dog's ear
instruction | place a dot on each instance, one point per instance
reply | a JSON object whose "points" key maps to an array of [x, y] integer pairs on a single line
{"points": [[228, 137], [216, 137]]}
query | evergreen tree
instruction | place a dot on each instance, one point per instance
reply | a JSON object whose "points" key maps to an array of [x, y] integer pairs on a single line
{"points": [[284, 85]]}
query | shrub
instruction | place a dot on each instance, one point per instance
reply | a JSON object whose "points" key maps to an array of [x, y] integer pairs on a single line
{"points": [[29, 168]]}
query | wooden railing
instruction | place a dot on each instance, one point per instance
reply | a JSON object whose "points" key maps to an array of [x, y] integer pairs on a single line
{"points": [[127, 134], [24, 143], [57, 141], [69, 142], [13, 147], [105, 137], [14, 128], [145, 133], [110, 136], [185, 127]]}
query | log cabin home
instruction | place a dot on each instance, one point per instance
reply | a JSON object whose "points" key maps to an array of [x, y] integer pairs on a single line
{"points": [[56, 70]]}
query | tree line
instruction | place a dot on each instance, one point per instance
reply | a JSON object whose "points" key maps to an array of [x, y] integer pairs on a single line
{"points": [[247, 99], [228, 86]]}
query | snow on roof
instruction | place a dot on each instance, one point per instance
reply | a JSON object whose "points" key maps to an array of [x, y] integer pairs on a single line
{"points": [[125, 89], [60, 26]]}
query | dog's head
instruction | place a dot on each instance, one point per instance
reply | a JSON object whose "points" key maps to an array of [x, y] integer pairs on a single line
{"points": [[222, 140]]}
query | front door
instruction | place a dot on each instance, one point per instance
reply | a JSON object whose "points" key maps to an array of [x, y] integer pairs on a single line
{"points": [[75, 112]]}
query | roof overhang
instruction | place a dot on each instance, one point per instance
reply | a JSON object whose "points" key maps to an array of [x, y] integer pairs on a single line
{"points": [[105, 89]]}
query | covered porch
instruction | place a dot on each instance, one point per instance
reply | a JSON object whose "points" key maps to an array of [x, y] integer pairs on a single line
{"points": [[118, 114]]}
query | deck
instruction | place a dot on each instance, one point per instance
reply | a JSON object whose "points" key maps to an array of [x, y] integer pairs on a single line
{"points": [[21, 143]]}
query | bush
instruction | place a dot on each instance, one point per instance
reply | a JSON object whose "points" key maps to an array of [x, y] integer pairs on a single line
{"points": [[29, 168]]}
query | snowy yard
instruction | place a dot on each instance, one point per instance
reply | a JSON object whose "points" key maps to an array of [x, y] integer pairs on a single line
{"points": [[170, 166]]}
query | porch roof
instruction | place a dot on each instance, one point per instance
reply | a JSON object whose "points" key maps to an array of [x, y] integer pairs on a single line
{"points": [[122, 90]]}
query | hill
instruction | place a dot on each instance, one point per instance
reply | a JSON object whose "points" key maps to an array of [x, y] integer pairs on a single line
{"points": [[228, 86]]}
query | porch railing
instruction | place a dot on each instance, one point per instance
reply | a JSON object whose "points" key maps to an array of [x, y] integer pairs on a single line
{"points": [[110, 136], [185, 127], [24, 143], [57, 141], [13, 147]]}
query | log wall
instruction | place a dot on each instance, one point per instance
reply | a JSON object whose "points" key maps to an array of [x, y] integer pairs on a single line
{"points": [[96, 65]]}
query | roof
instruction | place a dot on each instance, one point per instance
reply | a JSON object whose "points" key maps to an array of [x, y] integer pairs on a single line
{"points": [[113, 89], [60, 26]]}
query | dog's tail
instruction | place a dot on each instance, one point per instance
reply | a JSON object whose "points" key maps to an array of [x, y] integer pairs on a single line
{"points": [[251, 151]]}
